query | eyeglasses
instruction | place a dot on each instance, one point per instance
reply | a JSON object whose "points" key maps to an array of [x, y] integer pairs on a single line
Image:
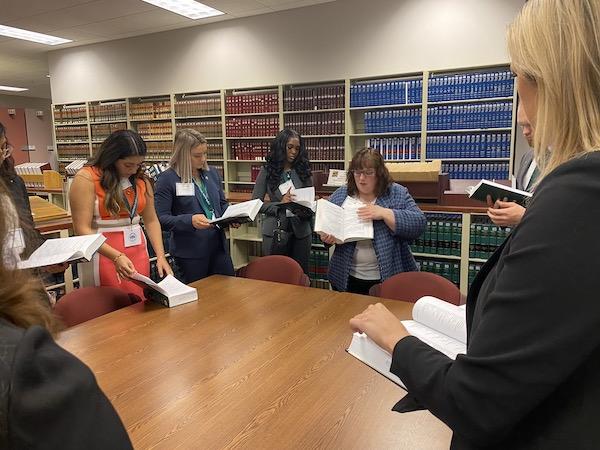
{"points": [[365, 172]]}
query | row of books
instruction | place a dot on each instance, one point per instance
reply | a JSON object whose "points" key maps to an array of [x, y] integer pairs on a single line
{"points": [[394, 120], [487, 145], [72, 134], [102, 112], [70, 114], [317, 123], [249, 150], [460, 117], [155, 130], [309, 98], [251, 126], [473, 85], [102, 131], [32, 168], [324, 167], [318, 264], [325, 148], [390, 92], [203, 106], [485, 238], [442, 236], [159, 150], [209, 128], [266, 102], [160, 109], [215, 150], [72, 168], [241, 189], [477, 171], [397, 148], [74, 151], [446, 269]]}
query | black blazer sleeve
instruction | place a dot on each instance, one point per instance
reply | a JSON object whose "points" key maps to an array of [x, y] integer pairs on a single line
{"points": [[535, 324], [55, 402]]}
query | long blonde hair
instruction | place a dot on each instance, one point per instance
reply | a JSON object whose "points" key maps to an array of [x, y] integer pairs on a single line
{"points": [[556, 43], [185, 140]]}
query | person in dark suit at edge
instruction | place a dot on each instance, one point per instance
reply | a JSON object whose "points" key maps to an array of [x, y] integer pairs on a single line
{"points": [[529, 378]]}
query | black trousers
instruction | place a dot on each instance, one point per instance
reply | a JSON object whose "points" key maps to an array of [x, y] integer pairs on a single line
{"points": [[215, 260], [358, 286]]}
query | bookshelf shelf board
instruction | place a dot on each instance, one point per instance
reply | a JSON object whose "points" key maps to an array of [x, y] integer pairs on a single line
{"points": [[472, 100], [308, 111], [98, 141], [470, 159], [247, 161], [263, 138], [214, 159], [158, 159], [71, 142], [398, 133], [157, 139], [68, 124], [316, 136], [437, 256], [95, 122], [276, 113], [327, 160], [396, 106], [150, 119], [208, 116], [400, 160], [214, 138], [468, 130], [477, 260], [247, 237]]}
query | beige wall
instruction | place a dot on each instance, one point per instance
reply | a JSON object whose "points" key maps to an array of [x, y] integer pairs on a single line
{"points": [[337, 40], [39, 133]]}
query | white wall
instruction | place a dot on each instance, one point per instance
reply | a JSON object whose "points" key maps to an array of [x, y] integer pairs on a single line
{"points": [[39, 133], [337, 40]]}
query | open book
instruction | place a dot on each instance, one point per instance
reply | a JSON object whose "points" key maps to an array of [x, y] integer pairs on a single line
{"points": [[342, 223], [169, 292], [498, 192], [57, 251], [436, 322], [303, 201], [240, 213]]}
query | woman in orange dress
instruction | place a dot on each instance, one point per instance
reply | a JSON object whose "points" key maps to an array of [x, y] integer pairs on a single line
{"points": [[110, 196]]}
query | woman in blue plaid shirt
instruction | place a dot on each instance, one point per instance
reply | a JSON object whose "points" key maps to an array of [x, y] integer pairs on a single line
{"points": [[397, 220]]}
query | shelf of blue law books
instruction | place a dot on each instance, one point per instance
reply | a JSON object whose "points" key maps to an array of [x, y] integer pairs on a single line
{"points": [[477, 170], [470, 85], [469, 145], [393, 91]]}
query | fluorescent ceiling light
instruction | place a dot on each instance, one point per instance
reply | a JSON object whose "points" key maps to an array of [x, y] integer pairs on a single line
{"points": [[12, 89], [187, 8], [18, 33]]}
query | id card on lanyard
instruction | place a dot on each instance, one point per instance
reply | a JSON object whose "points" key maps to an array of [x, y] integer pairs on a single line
{"points": [[204, 199], [133, 235]]}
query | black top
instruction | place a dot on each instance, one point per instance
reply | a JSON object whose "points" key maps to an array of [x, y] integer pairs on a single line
{"points": [[49, 399], [530, 378]]}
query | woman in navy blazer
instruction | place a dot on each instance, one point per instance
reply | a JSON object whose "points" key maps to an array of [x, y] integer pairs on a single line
{"points": [[186, 196]]}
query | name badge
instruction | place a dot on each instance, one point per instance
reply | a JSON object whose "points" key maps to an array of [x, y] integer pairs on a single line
{"points": [[184, 189], [133, 236]]}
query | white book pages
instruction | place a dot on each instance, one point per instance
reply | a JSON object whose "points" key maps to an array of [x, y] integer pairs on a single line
{"points": [[342, 223], [245, 209], [56, 251]]}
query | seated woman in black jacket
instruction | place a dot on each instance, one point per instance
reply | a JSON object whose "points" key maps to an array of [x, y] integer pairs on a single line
{"points": [[48, 398], [529, 378]]}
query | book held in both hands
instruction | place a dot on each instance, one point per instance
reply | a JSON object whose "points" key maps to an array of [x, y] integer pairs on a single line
{"points": [[342, 223], [439, 324], [60, 250], [498, 191], [239, 213], [169, 292], [303, 199]]}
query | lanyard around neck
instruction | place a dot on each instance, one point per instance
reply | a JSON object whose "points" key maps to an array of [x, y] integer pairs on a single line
{"points": [[206, 204], [132, 209]]}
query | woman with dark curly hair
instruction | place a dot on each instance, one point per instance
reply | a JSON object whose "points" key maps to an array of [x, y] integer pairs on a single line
{"points": [[287, 161]]}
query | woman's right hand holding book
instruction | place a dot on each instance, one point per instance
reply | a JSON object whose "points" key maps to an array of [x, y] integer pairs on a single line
{"points": [[124, 266], [200, 222]]}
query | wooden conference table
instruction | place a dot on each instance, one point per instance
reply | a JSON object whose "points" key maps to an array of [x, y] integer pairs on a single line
{"points": [[252, 364]]}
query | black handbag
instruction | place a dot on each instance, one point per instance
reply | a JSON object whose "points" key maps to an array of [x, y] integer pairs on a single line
{"points": [[281, 240]]}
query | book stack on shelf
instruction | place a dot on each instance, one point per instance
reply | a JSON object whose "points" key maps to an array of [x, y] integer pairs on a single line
{"points": [[73, 167], [74, 151], [442, 236], [108, 111], [255, 102], [394, 91], [485, 238], [447, 269], [159, 151], [325, 149], [470, 122], [249, 150], [474, 269], [215, 151], [101, 131], [252, 126], [198, 105], [154, 131], [317, 124], [210, 128], [70, 114], [397, 148], [76, 134], [317, 97], [150, 109]]}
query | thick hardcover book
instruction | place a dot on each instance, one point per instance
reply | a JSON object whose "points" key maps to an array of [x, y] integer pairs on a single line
{"points": [[71, 249], [436, 322], [342, 222], [239, 213], [498, 192], [169, 292]]}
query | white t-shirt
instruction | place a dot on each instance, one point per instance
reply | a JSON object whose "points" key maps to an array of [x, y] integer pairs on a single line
{"points": [[364, 262]]}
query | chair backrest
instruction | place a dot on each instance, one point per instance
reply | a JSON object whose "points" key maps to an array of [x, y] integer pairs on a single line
{"points": [[411, 286], [278, 268], [87, 303]]}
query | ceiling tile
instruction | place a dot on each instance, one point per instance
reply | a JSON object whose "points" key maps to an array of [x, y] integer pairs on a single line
{"points": [[235, 7]]}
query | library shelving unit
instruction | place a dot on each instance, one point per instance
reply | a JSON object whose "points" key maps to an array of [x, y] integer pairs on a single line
{"points": [[463, 116]]}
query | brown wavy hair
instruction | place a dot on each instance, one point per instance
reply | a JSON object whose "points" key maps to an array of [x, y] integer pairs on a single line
{"points": [[367, 158], [23, 299]]}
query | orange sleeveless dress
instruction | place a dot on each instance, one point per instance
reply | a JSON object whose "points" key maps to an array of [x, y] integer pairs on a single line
{"points": [[101, 271]]}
